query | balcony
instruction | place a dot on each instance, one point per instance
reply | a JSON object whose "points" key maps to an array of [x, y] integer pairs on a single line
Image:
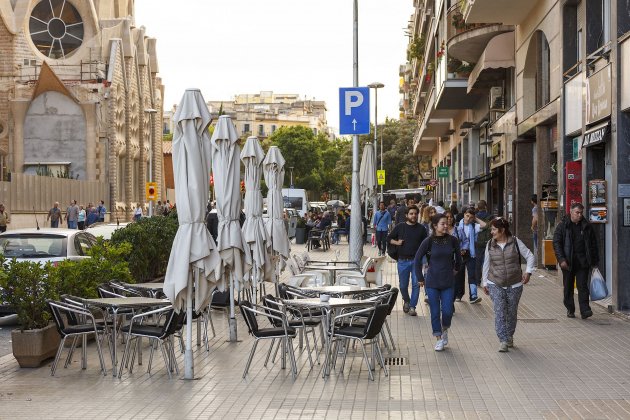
{"points": [[467, 41], [508, 12]]}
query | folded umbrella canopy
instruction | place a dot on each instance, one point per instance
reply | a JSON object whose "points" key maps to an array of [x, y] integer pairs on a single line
{"points": [[253, 229], [367, 174], [226, 169], [273, 169], [193, 250]]}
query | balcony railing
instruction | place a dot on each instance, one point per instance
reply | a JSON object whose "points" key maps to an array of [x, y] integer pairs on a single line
{"points": [[456, 23]]}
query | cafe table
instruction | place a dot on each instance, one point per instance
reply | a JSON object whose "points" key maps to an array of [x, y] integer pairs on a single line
{"points": [[333, 268], [329, 309], [115, 304], [152, 288], [336, 290]]}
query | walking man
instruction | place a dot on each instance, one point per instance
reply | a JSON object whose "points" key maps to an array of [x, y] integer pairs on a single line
{"points": [[575, 245], [54, 214], [72, 215], [382, 219], [408, 236], [5, 218], [102, 211], [470, 226]]}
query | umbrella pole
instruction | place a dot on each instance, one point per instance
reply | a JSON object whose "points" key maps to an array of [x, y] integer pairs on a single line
{"points": [[254, 280], [232, 320], [189, 372]]}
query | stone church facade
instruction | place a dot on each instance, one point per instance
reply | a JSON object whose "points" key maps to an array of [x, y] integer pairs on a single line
{"points": [[80, 96]]}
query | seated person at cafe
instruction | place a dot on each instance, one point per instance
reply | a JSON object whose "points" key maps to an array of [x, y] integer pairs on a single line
{"points": [[345, 230], [325, 222]]}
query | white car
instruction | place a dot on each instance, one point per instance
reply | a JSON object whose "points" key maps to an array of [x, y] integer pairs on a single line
{"points": [[46, 244], [104, 230]]}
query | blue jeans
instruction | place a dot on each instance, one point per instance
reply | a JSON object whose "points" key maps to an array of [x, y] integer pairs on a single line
{"points": [[72, 224], [336, 234], [405, 269], [54, 223], [441, 307]]}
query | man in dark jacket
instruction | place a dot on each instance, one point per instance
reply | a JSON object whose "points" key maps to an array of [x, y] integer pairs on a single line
{"points": [[575, 245]]}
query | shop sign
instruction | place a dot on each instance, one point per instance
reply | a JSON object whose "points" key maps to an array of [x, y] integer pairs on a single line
{"points": [[442, 171], [597, 134], [573, 184], [598, 96]]}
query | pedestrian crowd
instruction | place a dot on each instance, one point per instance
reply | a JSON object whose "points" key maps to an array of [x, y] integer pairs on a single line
{"points": [[441, 249], [76, 216]]}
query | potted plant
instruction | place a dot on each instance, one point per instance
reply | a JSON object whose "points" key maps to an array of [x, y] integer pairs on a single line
{"points": [[300, 231], [27, 286], [458, 21], [453, 64], [464, 69]]}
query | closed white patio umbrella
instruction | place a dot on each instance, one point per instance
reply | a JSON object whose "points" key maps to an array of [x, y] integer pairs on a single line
{"points": [[367, 174], [193, 250], [273, 169], [253, 229], [226, 169]]}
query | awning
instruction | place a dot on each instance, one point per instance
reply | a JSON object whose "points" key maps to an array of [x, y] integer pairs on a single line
{"points": [[499, 54], [597, 134], [466, 181], [485, 177]]}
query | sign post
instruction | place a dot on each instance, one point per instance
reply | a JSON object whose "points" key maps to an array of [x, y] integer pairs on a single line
{"points": [[151, 191], [354, 110], [380, 176]]}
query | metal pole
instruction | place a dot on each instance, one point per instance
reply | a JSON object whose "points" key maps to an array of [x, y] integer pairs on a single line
{"points": [[356, 243], [189, 370], [151, 113]]}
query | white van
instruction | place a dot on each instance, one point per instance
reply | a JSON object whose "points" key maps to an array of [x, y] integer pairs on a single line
{"points": [[296, 198]]}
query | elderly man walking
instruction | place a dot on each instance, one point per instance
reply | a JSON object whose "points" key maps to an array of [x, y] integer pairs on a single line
{"points": [[575, 245], [54, 215], [72, 215]]}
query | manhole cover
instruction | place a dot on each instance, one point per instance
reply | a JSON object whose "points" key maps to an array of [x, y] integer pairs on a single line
{"points": [[396, 361], [538, 320]]}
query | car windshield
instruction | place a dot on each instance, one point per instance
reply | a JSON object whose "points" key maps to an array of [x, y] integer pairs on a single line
{"points": [[33, 246]]}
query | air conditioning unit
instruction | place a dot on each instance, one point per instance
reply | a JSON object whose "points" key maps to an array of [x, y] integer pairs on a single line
{"points": [[497, 100]]}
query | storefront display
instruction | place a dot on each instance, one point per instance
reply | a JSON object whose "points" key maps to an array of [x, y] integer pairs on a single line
{"points": [[549, 205], [597, 193]]}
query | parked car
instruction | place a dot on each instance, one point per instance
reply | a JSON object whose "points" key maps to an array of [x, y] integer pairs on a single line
{"points": [[104, 230], [46, 244]]}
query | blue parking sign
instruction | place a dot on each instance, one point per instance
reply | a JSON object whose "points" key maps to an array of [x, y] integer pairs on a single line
{"points": [[354, 110]]}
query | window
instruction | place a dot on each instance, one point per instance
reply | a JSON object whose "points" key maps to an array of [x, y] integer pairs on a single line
{"points": [[273, 128], [261, 130], [246, 128], [82, 244], [315, 131], [56, 28], [570, 37], [597, 24], [122, 173], [542, 71]]}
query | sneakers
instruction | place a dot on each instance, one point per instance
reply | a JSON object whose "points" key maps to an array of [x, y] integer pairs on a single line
{"points": [[439, 345], [510, 342], [426, 299], [412, 312], [587, 314], [406, 307], [445, 336], [380, 254], [570, 314], [458, 300], [503, 347], [476, 299]]}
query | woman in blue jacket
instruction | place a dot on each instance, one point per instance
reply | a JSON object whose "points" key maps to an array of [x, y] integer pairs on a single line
{"points": [[444, 260]]}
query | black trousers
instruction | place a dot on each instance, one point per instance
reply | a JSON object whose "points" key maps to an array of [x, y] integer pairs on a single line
{"points": [[581, 281], [381, 240]]}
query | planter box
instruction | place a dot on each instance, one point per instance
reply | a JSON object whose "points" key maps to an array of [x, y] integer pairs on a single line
{"points": [[32, 347], [300, 236]]}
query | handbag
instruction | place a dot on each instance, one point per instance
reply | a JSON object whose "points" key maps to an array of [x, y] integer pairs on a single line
{"points": [[392, 250], [597, 288]]}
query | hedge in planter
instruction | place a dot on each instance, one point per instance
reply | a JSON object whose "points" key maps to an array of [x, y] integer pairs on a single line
{"points": [[151, 239], [81, 278]]}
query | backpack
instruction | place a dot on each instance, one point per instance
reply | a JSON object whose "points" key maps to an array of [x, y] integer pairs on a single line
{"points": [[392, 250], [483, 236]]}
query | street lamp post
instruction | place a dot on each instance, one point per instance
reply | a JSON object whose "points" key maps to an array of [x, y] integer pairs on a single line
{"points": [[356, 238], [151, 113], [291, 169], [376, 86]]}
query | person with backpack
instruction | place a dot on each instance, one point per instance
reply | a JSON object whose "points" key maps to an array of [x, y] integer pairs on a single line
{"points": [[382, 219], [470, 227], [444, 259], [503, 279], [408, 236], [483, 236]]}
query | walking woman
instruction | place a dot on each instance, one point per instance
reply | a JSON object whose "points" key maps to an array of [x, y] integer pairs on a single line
{"points": [[444, 260], [503, 278]]}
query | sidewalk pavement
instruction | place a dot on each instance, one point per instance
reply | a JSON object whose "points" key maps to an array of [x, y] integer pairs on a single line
{"points": [[560, 368]]}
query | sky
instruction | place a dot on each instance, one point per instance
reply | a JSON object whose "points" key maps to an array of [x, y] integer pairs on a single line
{"points": [[230, 47]]}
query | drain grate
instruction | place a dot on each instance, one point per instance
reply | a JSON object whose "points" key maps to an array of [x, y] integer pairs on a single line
{"points": [[538, 320], [396, 361]]}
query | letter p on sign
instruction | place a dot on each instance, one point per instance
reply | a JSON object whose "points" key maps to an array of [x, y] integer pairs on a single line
{"points": [[354, 110]]}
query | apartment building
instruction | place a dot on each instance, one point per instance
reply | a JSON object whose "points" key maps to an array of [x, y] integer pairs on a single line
{"points": [[520, 98], [261, 114]]}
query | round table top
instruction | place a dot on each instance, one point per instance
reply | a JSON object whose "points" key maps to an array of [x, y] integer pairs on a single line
{"points": [[335, 289], [331, 303]]}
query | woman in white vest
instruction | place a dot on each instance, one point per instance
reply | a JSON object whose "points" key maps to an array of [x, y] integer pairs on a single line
{"points": [[503, 278]]}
